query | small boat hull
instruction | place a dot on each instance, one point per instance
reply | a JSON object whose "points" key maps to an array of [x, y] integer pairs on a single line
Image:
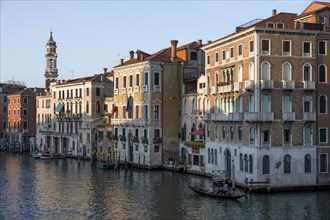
{"points": [[220, 195]]}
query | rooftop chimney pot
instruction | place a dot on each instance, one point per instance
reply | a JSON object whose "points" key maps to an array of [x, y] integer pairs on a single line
{"points": [[121, 61], [273, 12], [105, 70], [131, 54], [174, 44], [200, 42]]}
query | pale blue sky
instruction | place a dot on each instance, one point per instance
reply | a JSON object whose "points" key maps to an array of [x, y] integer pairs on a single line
{"points": [[91, 35]]}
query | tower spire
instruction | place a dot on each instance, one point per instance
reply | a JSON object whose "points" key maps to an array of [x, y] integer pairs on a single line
{"points": [[51, 71]]}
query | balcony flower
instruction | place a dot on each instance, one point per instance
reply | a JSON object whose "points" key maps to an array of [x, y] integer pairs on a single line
{"points": [[122, 137], [199, 144]]}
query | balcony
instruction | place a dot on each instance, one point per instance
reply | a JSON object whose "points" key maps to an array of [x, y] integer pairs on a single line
{"points": [[289, 85], [309, 116], [145, 88], [249, 85], [309, 85], [214, 90], [259, 116], [232, 116], [225, 88], [237, 86], [266, 84], [288, 116]]}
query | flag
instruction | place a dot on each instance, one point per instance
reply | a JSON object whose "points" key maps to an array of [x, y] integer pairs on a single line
{"points": [[128, 107], [114, 109]]}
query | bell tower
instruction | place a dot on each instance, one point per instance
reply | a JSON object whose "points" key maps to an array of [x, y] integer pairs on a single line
{"points": [[51, 62]]}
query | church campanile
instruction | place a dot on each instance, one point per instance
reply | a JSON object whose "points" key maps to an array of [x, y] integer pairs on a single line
{"points": [[51, 72]]}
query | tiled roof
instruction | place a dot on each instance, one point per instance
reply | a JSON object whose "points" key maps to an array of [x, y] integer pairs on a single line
{"points": [[318, 7], [95, 78]]}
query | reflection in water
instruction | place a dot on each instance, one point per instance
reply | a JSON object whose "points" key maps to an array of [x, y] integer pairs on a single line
{"points": [[71, 189]]}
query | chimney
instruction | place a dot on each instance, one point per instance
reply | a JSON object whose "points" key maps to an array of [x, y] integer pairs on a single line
{"points": [[131, 55], [105, 70], [209, 41], [141, 56], [173, 49], [273, 12], [200, 42], [121, 61]]}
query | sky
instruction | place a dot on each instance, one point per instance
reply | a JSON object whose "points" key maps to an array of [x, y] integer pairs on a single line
{"points": [[92, 35]]}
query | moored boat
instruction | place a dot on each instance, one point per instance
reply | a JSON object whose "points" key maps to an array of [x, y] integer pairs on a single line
{"points": [[37, 155], [217, 193], [46, 156]]}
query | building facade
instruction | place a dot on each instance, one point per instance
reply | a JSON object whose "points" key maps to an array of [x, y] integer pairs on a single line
{"points": [[262, 97], [147, 98]]}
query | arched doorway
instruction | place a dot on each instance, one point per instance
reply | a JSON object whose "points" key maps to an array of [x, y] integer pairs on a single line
{"points": [[228, 162]]}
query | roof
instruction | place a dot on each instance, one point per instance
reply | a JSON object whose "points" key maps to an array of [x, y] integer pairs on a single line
{"points": [[28, 91], [314, 7], [94, 78], [163, 55]]}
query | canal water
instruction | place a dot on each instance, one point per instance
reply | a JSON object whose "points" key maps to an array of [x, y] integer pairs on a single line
{"points": [[72, 189]]}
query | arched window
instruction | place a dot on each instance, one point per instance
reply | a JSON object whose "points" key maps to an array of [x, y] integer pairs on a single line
{"points": [[251, 135], [240, 104], [287, 163], [216, 108], [215, 157], [216, 132], [212, 156], [307, 72], [98, 107], [308, 163], [307, 135], [193, 107], [200, 105], [228, 104], [265, 71], [286, 72], [222, 109], [240, 134], [322, 74], [240, 73], [265, 164], [251, 103], [286, 103], [216, 79], [209, 155], [323, 104], [87, 107], [185, 106], [246, 163], [251, 71], [233, 104], [184, 132], [231, 134], [307, 103], [265, 103], [241, 162], [250, 164], [208, 106], [223, 133]]}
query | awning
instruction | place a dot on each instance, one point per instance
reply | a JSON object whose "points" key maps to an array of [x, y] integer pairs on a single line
{"points": [[200, 132], [59, 108]]}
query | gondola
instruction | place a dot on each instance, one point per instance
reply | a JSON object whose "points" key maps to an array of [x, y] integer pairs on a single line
{"points": [[219, 194]]}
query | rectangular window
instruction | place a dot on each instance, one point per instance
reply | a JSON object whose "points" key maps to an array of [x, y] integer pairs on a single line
{"points": [[208, 59], [156, 149], [116, 83], [322, 46], [25, 100], [67, 93], [136, 112], [124, 81], [80, 93], [270, 25], [231, 53], [156, 79], [156, 111], [131, 81], [137, 79], [98, 91], [251, 44], [265, 47], [323, 135], [307, 49], [146, 78], [266, 136], [71, 93], [286, 48], [145, 112], [87, 92], [240, 50], [224, 55], [280, 25], [5, 110], [25, 112], [321, 19], [286, 136], [323, 163], [193, 55], [216, 55]]}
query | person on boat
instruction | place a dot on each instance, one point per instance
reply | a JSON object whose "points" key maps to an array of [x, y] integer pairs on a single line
{"points": [[225, 187]]}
